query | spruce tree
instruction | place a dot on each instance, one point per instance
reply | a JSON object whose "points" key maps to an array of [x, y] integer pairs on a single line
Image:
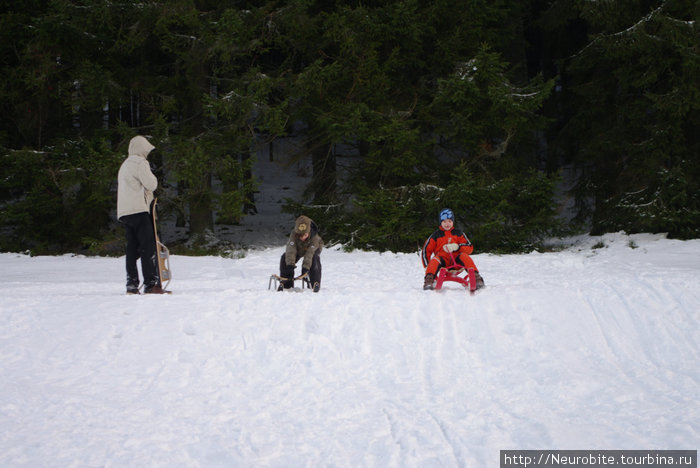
{"points": [[634, 130]]}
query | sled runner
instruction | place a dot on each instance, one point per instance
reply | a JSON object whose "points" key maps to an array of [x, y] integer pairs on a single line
{"points": [[162, 252], [277, 279], [454, 272]]}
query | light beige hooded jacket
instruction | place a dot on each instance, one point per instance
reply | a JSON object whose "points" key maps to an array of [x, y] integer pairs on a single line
{"points": [[136, 182]]}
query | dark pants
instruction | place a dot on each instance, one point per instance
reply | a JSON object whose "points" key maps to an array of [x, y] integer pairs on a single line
{"points": [[314, 272], [140, 242]]}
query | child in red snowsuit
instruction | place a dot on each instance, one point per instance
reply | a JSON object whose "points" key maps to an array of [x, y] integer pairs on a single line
{"points": [[443, 245]]}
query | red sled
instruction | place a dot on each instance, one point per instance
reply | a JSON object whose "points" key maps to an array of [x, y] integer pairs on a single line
{"points": [[450, 274], [454, 273]]}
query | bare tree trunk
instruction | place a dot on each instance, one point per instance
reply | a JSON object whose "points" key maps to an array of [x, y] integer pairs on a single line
{"points": [[324, 174], [201, 215], [249, 200]]}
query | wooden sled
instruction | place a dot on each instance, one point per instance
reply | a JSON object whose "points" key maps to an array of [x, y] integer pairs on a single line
{"points": [[162, 253], [277, 279]]}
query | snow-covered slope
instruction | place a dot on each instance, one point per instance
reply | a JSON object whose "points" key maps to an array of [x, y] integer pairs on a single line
{"points": [[586, 348]]}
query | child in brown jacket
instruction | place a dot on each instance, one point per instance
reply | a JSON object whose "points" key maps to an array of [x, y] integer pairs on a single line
{"points": [[304, 242]]}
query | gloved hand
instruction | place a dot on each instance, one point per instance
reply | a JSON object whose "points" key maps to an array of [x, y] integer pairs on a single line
{"points": [[287, 271], [304, 271], [451, 247]]}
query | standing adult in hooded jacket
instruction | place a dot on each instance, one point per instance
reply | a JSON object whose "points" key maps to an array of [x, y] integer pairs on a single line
{"points": [[135, 186], [304, 242]]}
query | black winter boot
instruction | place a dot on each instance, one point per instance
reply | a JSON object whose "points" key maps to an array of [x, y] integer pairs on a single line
{"points": [[479, 280], [428, 282], [155, 289]]}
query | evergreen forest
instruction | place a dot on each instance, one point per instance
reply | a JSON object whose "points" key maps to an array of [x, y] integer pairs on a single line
{"points": [[487, 106]]}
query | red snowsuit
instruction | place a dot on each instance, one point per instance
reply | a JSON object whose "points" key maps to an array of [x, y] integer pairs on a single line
{"points": [[434, 247]]}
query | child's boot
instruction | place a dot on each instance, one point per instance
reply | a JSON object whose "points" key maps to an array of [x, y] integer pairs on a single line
{"points": [[479, 280], [428, 282]]}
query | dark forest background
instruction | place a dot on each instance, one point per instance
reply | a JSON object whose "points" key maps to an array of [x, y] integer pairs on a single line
{"points": [[474, 104]]}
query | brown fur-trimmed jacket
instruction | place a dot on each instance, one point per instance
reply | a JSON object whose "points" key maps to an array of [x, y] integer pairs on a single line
{"points": [[296, 248]]}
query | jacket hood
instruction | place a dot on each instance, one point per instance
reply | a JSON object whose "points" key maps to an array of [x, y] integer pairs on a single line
{"points": [[139, 146]]}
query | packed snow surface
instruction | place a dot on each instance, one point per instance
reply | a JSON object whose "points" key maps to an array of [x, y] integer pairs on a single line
{"points": [[595, 346]]}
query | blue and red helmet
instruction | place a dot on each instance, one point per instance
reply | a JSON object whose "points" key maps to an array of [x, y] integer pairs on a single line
{"points": [[447, 214]]}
